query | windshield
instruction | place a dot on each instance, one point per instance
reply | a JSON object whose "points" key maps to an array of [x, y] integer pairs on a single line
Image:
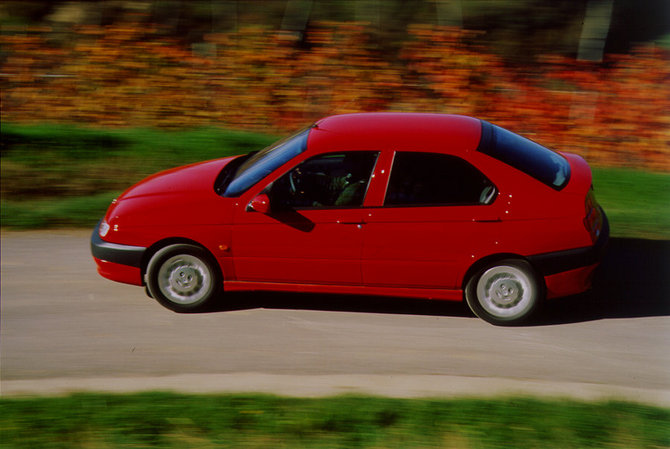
{"points": [[523, 154], [261, 164]]}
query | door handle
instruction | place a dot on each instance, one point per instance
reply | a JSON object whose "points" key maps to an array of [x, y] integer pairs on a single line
{"points": [[490, 220], [359, 224]]}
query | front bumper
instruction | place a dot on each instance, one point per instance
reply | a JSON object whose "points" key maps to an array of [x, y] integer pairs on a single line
{"points": [[121, 263]]}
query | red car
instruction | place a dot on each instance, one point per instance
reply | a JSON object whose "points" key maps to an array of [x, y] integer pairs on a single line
{"points": [[412, 205]]}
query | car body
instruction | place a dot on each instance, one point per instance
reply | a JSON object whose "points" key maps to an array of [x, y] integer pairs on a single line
{"points": [[397, 204]]}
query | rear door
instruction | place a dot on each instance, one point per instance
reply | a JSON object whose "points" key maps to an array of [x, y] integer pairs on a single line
{"points": [[439, 214]]}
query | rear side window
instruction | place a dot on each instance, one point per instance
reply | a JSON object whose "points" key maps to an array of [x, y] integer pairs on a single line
{"points": [[427, 179], [523, 154]]}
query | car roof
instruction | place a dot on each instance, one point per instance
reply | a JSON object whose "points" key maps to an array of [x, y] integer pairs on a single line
{"points": [[402, 131]]}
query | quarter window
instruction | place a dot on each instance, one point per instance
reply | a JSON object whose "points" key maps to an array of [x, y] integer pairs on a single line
{"points": [[424, 179]]}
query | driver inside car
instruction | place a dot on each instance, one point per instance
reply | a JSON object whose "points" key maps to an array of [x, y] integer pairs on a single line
{"points": [[346, 184], [331, 180]]}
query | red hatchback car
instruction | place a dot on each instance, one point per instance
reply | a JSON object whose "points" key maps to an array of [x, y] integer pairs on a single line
{"points": [[414, 205]]}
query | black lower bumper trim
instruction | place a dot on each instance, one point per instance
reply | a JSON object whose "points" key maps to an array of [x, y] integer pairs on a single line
{"points": [[560, 261], [113, 252]]}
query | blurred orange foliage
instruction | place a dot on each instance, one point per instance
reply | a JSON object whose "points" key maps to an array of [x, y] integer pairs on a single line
{"points": [[616, 113]]}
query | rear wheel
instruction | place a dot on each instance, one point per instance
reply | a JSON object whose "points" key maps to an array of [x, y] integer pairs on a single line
{"points": [[505, 293], [183, 278]]}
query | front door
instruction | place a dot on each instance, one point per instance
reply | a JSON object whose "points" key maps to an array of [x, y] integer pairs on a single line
{"points": [[313, 232]]}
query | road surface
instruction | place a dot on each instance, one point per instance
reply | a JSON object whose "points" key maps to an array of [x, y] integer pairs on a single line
{"points": [[64, 329]]}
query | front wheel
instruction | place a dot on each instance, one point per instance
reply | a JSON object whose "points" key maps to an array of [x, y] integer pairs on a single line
{"points": [[183, 278], [505, 293]]}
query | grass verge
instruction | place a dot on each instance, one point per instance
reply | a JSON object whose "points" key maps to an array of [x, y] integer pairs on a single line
{"points": [[65, 176], [55, 161], [169, 420], [636, 202]]}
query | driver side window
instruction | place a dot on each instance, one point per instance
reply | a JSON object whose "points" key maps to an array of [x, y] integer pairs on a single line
{"points": [[325, 181]]}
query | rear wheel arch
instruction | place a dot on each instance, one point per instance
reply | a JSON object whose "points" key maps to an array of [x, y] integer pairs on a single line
{"points": [[487, 261], [507, 270]]}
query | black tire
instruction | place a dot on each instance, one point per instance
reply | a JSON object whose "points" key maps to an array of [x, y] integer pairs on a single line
{"points": [[505, 293], [183, 278]]}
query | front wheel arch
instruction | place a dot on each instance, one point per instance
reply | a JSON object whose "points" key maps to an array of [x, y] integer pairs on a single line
{"points": [[196, 259], [153, 249]]}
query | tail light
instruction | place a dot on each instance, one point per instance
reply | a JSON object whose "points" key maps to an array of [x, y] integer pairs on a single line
{"points": [[593, 220]]}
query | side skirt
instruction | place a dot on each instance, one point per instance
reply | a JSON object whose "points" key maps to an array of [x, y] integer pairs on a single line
{"points": [[425, 293]]}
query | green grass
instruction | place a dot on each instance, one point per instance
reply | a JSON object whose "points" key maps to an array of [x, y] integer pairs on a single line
{"points": [[637, 203], [65, 176], [168, 420], [54, 161], [69, 212]]}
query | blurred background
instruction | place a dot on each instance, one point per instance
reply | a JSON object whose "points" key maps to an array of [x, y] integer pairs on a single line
{"points": [[588, 76], [96, 95], [587, 73]]}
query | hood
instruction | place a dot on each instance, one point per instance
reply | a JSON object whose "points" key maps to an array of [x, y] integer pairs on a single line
{"points": [[194, 178], [180, 196]]}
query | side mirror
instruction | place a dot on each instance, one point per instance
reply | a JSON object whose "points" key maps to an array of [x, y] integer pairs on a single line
{"points": [[260, 203]]}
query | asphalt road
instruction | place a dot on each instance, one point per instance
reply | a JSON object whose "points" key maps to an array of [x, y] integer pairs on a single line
{"points": [[64, 328]]}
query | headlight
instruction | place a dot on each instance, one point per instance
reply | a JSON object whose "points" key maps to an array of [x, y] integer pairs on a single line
{"points": [[103, 229]]}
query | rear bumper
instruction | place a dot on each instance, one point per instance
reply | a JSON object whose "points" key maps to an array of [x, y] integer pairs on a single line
{"points": [[570, 282], [121, 263], [571, 272], [561, 261]]}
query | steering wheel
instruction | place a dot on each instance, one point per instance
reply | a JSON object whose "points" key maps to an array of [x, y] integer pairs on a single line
{"points": [[294, 180]]}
